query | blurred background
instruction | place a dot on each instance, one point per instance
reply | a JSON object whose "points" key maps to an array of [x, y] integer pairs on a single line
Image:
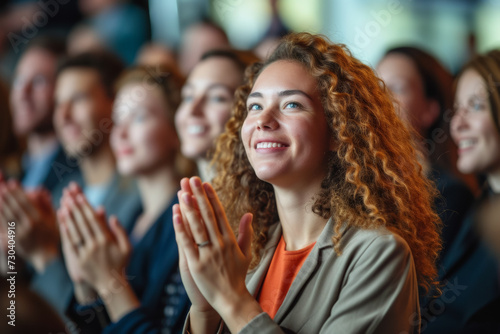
{"points": [[452, 30]]}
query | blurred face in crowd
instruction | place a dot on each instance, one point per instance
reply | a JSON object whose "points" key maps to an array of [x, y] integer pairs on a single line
{"points": [[143, 138], [207, 98], [473, 128], [32, 99], [197, 40], [402, 78], [82, 116]]}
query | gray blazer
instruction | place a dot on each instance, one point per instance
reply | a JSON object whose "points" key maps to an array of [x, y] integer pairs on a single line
{"points": [[371, 288]]}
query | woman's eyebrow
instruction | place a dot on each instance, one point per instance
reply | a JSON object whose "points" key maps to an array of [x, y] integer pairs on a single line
{"points": [[284, 93], [294, 92], [255, 94], [219, 85]]}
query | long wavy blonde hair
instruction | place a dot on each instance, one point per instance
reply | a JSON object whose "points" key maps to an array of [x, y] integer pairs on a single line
{"points": [[374, 178]]}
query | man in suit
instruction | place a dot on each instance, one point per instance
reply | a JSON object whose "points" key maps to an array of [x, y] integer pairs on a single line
{"points": [[32, 101], [32, 106]]}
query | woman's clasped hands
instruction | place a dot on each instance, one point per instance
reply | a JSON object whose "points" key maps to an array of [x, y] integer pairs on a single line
{"points": [[96, 254], [213, 263]]}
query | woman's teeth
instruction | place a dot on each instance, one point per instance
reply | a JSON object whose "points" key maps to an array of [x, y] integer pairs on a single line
{"points": [[195, 129], [269, 145], [466, 143]]}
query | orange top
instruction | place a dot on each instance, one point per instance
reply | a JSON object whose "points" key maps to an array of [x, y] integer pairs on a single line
{"points": [[282, 271]]}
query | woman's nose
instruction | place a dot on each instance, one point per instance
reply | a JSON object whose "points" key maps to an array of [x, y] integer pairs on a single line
{"points": [[459, 120], [198, 105], [63, 111], [267, 120]]}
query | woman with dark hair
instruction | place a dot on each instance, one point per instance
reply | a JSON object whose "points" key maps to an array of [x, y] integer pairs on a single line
{"points": [[207, 98], [471, 297], [129, 280], [422, 88], [336, 227]]}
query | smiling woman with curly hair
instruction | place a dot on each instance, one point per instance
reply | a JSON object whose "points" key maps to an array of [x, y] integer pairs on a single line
{"points": [[341, 229]]}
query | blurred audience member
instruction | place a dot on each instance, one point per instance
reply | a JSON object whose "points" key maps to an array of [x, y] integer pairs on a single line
{"points": [[116, 25], [198, 39], [266, 47], [23, 20], [84, 102], [207, 98], [83, 39], [143, 293], [158, 57], [32, 103], [470, 299], [422, 89], [277, 29], [29, 205], [11, 146]]}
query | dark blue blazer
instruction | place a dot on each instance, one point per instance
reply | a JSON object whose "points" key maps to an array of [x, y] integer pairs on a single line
{"points": [[153, 273], [63, 169], [469, 274]]}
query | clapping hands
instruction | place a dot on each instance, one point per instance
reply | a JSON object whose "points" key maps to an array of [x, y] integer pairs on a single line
{"points": [[37, 237], [96, 253], [213, 262]]}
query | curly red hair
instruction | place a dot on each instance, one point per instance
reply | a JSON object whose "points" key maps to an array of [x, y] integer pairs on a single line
{"points": [[374, 178]]}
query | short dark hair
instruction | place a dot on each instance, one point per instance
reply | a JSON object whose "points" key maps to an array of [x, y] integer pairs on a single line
{"points": [[106, 64], [52, 44], [241, 58]]}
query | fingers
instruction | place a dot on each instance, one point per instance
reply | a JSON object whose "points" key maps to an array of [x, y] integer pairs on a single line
{"points": [[245, 235], [65, 215], [196, 225], [96, 223], [120, 235], [184, 241], [219, 212], [6, 209], [205, 208], [66, 238], [11, 208], [177, 210], [21, 199], [81, 223]]}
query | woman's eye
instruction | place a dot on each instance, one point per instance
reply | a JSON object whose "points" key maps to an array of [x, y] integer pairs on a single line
{"points": [[477, 105], [254, 106], [218, 99], [292, 105], [79, 97], [187, 98], [139, 117], [39, 80]]}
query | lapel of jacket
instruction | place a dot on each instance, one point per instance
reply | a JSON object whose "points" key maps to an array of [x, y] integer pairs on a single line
{"points": [[256, 276], [61, 170], [305, 273], [466, 240]]}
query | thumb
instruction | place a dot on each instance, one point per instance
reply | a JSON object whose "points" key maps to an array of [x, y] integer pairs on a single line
{"points": [[245, 235], [120, 234]]}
